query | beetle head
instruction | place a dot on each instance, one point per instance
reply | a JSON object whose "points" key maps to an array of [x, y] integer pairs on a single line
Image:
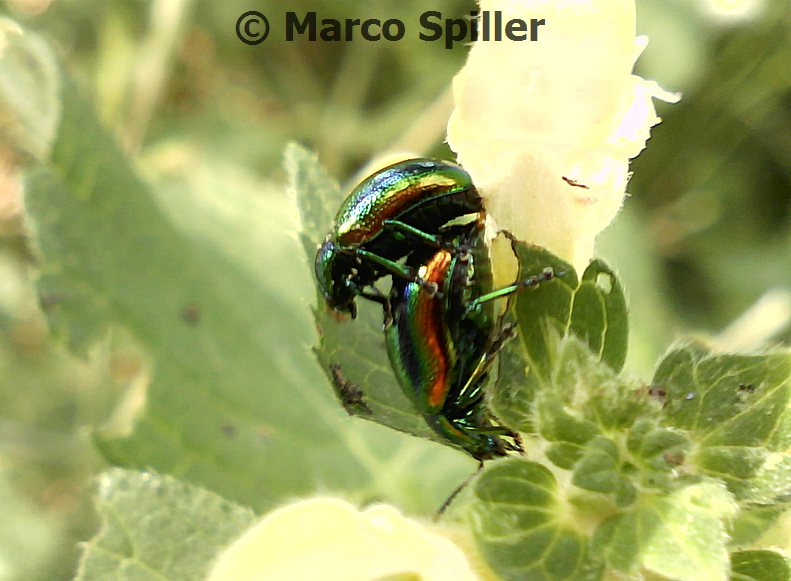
{"points": [[332, 275]]}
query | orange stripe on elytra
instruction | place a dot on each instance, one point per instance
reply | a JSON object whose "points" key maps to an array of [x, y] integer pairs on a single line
{"points": [[359, 228], [430, 312]]}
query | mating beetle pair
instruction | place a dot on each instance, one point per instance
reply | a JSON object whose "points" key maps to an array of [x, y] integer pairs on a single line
{"points": [[421, 221], [404, 206], [442, 347]]}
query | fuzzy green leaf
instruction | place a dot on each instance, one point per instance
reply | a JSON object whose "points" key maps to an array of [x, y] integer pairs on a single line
{"points": [[760, 566], [351, 352], [593, 390], [520, 528], [315, 192], [587, 415], [543, 313], [157, 528], [205, 279], [601, 296], [737, 409], [730, 400], [592, 309], [752, 522], [597, 469], [586, 398], [679, 535], [567, 432], [188, 285]]}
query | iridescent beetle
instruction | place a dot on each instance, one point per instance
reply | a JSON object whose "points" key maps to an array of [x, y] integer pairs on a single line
{"points": [[422, 222], [442, 347], [409, 205]]}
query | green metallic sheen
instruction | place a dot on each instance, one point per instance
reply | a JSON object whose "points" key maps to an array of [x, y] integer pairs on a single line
{"points": [[406, 187], [441, 353], [406, 206]]}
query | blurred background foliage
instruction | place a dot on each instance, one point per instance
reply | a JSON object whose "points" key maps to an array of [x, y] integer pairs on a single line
{"points": [[702, 245]]}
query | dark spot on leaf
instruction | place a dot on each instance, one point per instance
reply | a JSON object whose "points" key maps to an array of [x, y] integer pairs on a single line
{"points": [[49, 300], [674, 458], [191, 314], [350, 395], [229, 430], [746, 387], [658, 393]]}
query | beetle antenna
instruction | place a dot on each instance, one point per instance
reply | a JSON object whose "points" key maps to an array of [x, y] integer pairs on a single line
{"points": [[456, 492]]}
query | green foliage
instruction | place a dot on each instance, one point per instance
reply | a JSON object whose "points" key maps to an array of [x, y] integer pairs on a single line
{"points": [[155, 527], [678, 535], [229, 403], [592, 308], [630, 482], [111, 255], [760, 566], [634, 478], [353, 356], [737, 409], [225, 399], [521, 528]]}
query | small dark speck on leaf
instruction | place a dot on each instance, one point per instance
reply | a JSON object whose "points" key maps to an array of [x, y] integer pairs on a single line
{"points": [[49, 300], [674, 458], [658, 393], [229, 430], [191, 314], [748, 387]]}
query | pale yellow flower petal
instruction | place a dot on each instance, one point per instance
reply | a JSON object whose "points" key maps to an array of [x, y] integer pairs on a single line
{"points": [[331, 540], [546, 128]]}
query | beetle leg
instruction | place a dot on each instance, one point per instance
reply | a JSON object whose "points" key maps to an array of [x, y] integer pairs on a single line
{"points": [[472, 391], [376, 296], [404, 228], [401, 270], [430, 239], [506, 332], [456, 492], [490, 430], [393, 267], [532, 281], [498, 430]]}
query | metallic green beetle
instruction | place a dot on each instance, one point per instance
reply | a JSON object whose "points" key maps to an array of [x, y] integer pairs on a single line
{"points": [[442, 347], [409, 205]]}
